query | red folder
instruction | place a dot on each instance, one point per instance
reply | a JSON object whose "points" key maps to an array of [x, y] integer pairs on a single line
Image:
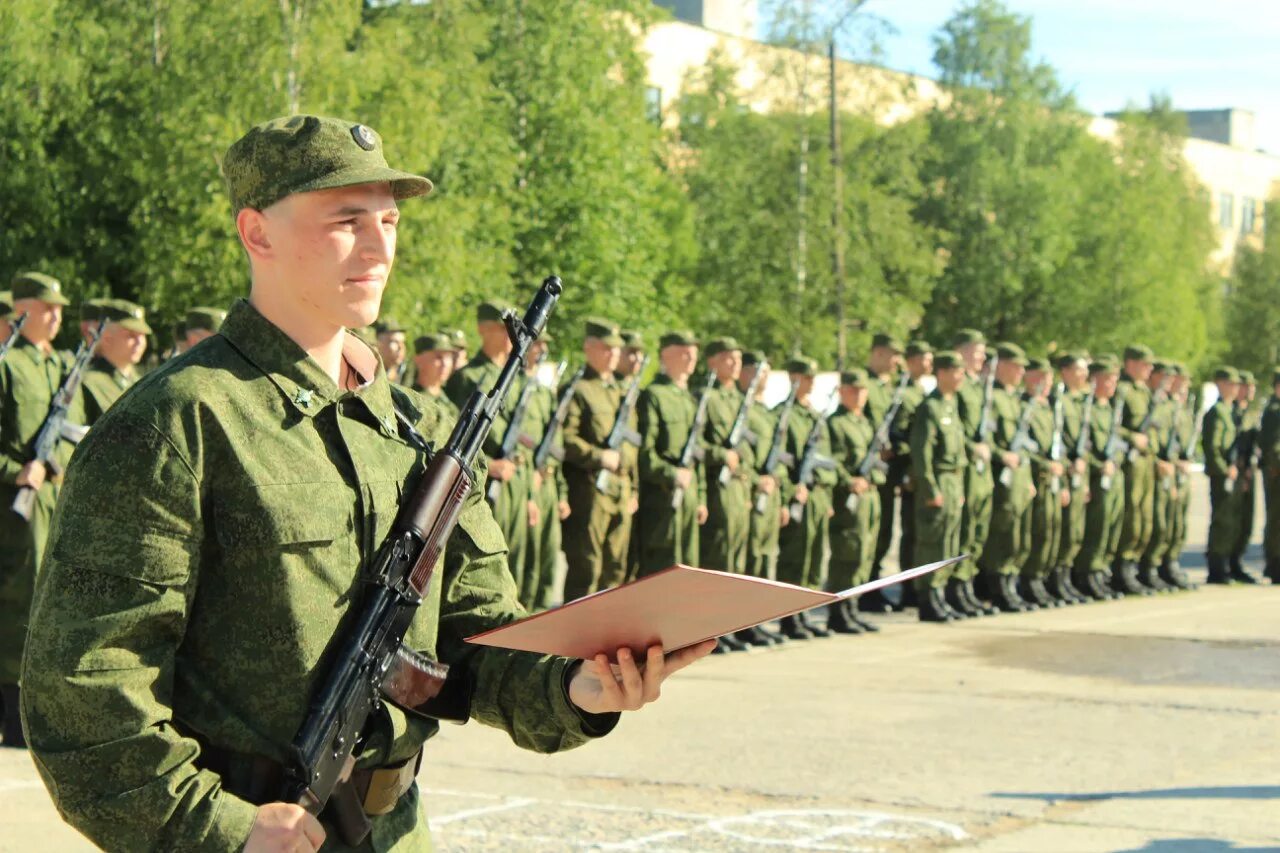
{"points": [[674, 608]]}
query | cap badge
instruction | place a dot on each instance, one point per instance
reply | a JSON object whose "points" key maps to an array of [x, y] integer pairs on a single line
{"points": [[363, 137]]}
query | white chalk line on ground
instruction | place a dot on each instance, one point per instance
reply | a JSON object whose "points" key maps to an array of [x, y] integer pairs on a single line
{"points": [[801, 829]]}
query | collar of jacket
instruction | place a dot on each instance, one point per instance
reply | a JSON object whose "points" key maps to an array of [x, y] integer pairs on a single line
{"points": [[300, 379]]}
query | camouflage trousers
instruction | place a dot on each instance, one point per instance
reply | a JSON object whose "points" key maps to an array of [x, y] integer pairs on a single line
{"points": [[938, 530], [1046, 529], [1102, 526], [1139, 506], [853, 540]]}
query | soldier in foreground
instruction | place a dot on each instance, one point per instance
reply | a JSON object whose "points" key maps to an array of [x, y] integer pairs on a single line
{"points": [[767, 512], [1077, 412], [161, 698], [919, 364], [549, 494], [1047, 471], [882, 366]]}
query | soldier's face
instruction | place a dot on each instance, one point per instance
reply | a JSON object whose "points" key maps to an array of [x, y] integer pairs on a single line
{"points": [[1009, 372], [950, 379], [747, 374], [1075, 375], [43, 319], [975, 357], [853, 397], [678, 360], [1105, 385], [195, 336], [493, 335], [804, 385], [120, 346], [727, 365], [433, 367], [631, 360], [883, 359], [1139, 370], [602, 358], [323, 257], [391, 345], [920, 365]]}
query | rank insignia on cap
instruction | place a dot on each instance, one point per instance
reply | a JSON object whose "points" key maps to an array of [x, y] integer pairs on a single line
{"points": [[363, 137]]}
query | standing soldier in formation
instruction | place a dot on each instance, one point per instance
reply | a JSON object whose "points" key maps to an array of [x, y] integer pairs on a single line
{"points": [[1105, 511], [393, 347], [200, 323], [979, 482], [432, 367], [919, 364], [1073, 369], [549, 493], [803, 541], [114, 366], [1008, 542], [882, 368], [30, 375], [633, 352], [1219, 441], [1269, 446], [1247, 482], [514, 505], [673, 495], [1164, 408], [1139, 468], [1185, 423], [601, 481], [767, 510], [1048, 475], [460, 358], [938, 460], [855, 526]]}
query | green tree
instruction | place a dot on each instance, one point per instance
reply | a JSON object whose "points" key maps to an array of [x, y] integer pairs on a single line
{"points": [[1252, 309]]}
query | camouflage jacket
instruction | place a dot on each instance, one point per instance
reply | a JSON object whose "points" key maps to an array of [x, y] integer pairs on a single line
{"points": [[197, 609], [937, 444]]}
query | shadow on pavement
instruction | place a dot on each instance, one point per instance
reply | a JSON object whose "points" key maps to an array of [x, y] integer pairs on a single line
{"points": [[1194, 845], [1221, 792]]}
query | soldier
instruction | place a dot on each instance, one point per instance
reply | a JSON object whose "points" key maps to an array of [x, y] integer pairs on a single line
{"points": [[597, 532], [1180, 452], [882, 366], [1247, 482], [6, 315], [121, 347], [938, 459], [633, 352], [1008, 544], [514, 508], [1220, 464], [30, 375], [1139, 468], [767, 512], [459, 339], [392, 346], [1164, 487], [919, 356], [979, 485], [1073, 369], [1269, 446], [549, 494], [171, 656], [856, 523], [673, 498], [432, 367], [201, 323], [1105, 509], [803, 543], [1048, 474]]}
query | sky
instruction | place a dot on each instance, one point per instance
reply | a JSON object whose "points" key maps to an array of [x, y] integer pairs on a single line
{"points": [[1206, 54]]}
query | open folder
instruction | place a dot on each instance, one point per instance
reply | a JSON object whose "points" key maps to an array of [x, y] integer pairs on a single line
{"points": [[674, 608]]}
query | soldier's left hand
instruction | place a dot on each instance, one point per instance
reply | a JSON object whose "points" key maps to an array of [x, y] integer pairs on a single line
{"points": [[535, 514], [564, 510], [599, 687], [702, 515], [1065, 498]]}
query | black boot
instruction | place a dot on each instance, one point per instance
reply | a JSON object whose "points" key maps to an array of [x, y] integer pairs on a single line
{"points": [[1237, 572], [1218, 569], [971, 595], [794, 629], [955, 597], [852, 615], [1006, 596], [1096, 584], [838, 620], [1033, 589], [12, 728], [813, 627], [1149, 576], [932, 608], [753, 637], [1074, 596], [1173, 575], [1056, 587], [1272, 571], [874, 602]]}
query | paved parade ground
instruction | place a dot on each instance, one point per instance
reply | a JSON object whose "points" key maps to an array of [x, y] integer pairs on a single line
{"points": [[1147, 724]]}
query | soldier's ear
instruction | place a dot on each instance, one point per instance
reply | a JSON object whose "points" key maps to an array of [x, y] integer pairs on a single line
{"points": [[251, 225]]}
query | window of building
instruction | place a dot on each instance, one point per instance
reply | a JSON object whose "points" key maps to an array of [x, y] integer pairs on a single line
{"points": [[653, 104], [1248, 212], [1226, 210]]}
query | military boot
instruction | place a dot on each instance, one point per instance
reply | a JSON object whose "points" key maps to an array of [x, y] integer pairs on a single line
{"points": [[1171, 573], [1237, 572], [1096, 584], [1218, 569], [12, 728], [813, 627], [1149, 575], [932, 608], [874, 602], [851, 614], [956, 599], [1074, 596], [1036, 591], [794, 629], [976, 602], [753, 637], [838, 620]]}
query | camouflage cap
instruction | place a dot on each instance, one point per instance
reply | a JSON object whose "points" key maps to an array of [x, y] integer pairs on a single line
{"points": [[1138, 352], [387, 326], [491, 311], [968, 336], [1104, 364], [1011, 353], [918, 347], [91, 310], [6, 303], [37, 285], [715, 346], [208, 319], [1226, 373], [603, 331], [884, 339], [432, 342], [128, 315], [678, 338], [753, 357], [1068, 359], [546, 337], [1160, 366], [803, 366], [305, 153], [458, 337], [946, 359], [855, 378], [1247, 377], [632, 339], [1037, 364]]}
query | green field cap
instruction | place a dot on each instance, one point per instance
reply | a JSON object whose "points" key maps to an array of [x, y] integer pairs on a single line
{"points": [[434, 341], [1160, 366], [209, 319], [1104, 364], [855, 378], [1037, 364], [968, 336], [491, 311], [918, 347], [1247, 377], [603, 330], [91, 310], [305, 153], [632, 339], [1275, 376], [1138, 352], [945, 359], [678, 338], [802, 365], [753, 357], [1011, 353], [1226, 373], [37, 285], [458, 337], [126, 314], [715, 346], [387, 326], [1068, 359], [884, 339]]}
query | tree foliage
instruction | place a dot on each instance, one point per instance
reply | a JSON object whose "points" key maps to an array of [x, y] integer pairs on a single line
{"points": [[1251, 312]]}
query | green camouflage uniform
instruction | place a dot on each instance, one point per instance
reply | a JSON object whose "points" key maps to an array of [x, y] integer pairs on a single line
{"points": [[598, 529], [1164, 499], [1247, 483], [900, 434], [545, 538], [1269, 445], [28, 380], [979, 481], [103, 385], [195, 612], [667, 535], [1185, 424], [1046, 506], [765, 523], [1139, 472], [511, 509], [724, 539], [1073, 514], [879, 398], [1105, 510], [853, 530], [1224, 498], [938, 460], [1009, 542], [803, 543]]}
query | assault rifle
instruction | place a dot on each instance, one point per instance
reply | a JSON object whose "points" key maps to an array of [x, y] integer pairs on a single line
{"points": [[1242, 452], [1084, 441], [811, 461], [872, 461], [1055, 444], [692, 451], [984, 420], [56, 428], [1022, 443], [739, 432], [547, 447], [365, 662], [622, 431], [15, 330], [1115, 446], [515, 433], [1156, 398], [778, 454]]}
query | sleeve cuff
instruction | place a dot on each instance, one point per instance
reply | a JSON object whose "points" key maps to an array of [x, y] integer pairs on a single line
{"points": [[232, 823], [574, 718]]}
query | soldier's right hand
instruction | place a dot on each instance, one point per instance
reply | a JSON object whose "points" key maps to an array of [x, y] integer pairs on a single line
{"points": [[983, 451], [1010, 459], [802, 494], [684, 478], [860, 485], [767, 484], [502, 469], [1139, 440], [32, 474], [1232, 472], [610, 460], [1109, 468], [937, 501], [731, 460], [284, 828]]}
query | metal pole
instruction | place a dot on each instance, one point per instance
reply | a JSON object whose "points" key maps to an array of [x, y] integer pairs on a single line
{"points": [[837, 212]]}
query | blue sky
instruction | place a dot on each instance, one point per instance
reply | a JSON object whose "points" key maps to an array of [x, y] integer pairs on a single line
{"points": [[1206, 54]]}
